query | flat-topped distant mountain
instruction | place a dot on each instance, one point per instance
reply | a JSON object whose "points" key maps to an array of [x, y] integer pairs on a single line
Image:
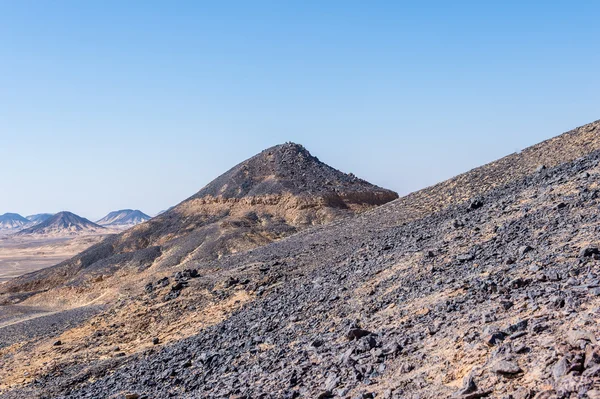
{"points": [[63, 224], [124, 218], [12, 221], [39, 218]]}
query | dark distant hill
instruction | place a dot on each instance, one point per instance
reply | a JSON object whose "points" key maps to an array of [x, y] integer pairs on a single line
{"points": [[123, 218], [10, 221], [63, 224], [39, 218]]}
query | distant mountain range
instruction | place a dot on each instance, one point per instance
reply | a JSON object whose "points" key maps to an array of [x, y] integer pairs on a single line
{"points": [[63, 224], [11, 221], [123, 218], [68, 222]]}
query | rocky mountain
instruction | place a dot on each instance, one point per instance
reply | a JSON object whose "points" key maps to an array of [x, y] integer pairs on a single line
{"points": [[39, 218], [62, 224], [124, 218], [11, 221], [485, 285], [274, 194]]}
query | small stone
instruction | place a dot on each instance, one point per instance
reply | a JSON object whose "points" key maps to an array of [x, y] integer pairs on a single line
{"points": [[586, 252], [505, 367], [494, 339], [465, 257], [177, 286], [574, 337], [155, 341], [58, 343], [592, 356], [560, 368], [521, 349], [149, 288], [357, 333], [517, 335], [552, 276], [521, 325], [468, 387], [346, 357], [163, 282], [476, 204], [325, 395], [457, 224], [231, 281], [524, 249]]}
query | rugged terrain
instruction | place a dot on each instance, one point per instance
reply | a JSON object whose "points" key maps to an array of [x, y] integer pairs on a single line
{"points": [[12, 221], [486, 285], [270, 196], [124, 218]]}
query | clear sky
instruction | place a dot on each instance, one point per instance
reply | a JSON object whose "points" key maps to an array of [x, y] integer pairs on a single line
{"points": [[138, 104]]}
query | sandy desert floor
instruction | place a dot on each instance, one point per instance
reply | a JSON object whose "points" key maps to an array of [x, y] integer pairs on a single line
{"points": [[20, 255]]}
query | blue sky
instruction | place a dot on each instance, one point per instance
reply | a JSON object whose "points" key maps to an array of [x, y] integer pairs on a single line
{"points": [[138, 104]]}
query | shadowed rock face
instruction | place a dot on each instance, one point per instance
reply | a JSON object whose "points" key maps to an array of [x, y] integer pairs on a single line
{"points": [[267, 197]]}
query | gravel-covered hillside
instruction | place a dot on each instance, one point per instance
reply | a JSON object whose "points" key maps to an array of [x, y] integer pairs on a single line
{"points": [[493, 293]]}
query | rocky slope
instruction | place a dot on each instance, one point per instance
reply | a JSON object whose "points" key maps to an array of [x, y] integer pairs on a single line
{"points": [[265, 198], [11, 221], [62, 224], [487, 285], [124, 218]]}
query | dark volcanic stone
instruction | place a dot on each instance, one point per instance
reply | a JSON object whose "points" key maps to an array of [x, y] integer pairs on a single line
{"points": [[586, 252], [356, 333]]}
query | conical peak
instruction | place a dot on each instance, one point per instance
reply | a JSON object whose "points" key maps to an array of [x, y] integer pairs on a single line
{"points": [[285, 168]]}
